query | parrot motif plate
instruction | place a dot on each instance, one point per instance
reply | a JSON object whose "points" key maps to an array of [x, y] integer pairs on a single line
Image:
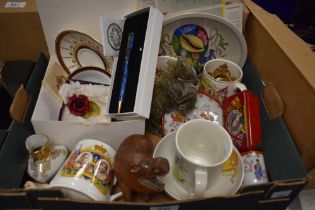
{"points": [[202, 37]]}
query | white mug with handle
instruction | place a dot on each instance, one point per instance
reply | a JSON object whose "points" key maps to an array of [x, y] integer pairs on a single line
{"points": [[202, 147], [88, 173], [218, 88]]}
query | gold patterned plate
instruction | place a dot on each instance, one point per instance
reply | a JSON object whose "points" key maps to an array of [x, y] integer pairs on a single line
{"points": [[75, 50], [227, 183]]}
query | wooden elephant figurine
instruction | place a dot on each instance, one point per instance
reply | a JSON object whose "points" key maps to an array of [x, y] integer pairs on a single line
{"points": [[137, 170]]}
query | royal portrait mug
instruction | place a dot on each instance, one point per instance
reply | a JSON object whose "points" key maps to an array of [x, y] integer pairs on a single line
{"points": [[88, 172]]}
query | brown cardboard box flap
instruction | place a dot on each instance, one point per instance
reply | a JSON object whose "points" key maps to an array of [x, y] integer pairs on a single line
{"points": [[30, 6], [286, 61], [272, 101], [19, 104], [295, 48], [22, 36]]}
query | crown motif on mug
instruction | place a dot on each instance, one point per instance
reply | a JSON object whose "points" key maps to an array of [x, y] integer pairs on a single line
{"points": [[96, 149]]}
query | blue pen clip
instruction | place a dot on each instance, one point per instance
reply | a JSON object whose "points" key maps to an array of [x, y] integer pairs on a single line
{"points": [[123, 85]]}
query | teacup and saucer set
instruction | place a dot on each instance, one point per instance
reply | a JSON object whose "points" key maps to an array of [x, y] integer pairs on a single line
{"points": [[203, 161]]}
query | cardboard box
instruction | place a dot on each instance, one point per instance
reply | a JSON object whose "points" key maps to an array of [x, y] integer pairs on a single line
{"points": [[13, 75], [286, 61], [283, 162], [140, 36], [13, 155], [46, 113], [22, 36], [230, 10]]}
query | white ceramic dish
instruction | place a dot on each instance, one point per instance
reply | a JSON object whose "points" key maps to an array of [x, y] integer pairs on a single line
{"points": [[205, 108], [202, 37], [91, 74], [75, 50], [228, 183]]}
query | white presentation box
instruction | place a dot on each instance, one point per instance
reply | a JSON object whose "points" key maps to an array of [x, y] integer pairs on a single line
{"points": [[57, 16]]}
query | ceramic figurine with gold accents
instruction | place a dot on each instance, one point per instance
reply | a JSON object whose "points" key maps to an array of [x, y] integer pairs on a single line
{"points": [[44, 159]]}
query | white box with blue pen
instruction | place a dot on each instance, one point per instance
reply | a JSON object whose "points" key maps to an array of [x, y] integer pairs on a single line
{"points": [[136, 58], [45, 116]]}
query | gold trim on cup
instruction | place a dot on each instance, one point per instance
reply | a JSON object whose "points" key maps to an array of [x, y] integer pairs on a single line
{"points": [[42, 152]]}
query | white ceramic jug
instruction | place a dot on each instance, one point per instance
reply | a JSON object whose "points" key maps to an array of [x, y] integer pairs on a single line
{"points": [[44, 159]]}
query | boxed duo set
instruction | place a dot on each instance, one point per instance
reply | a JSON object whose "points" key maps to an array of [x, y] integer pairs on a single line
{"points": [[138, 84], [285, 169]]}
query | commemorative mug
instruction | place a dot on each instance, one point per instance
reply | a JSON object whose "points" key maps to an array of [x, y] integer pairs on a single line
{"points": [[221, 79], [202, 147], [88, 173]]}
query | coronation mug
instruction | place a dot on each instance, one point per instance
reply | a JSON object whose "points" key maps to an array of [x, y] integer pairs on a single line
{"points": [[88, 173]]}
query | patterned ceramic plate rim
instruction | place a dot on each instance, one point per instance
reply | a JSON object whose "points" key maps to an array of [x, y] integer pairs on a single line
{"points": [[218, 19], [87, 42], [201, 94], [90, 68]]}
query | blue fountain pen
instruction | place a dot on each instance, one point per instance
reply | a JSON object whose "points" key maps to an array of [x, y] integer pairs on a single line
{"points": [[123, 85]]}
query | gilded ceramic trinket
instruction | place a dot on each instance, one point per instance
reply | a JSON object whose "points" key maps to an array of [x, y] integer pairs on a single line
{"points": [[44, 159]]}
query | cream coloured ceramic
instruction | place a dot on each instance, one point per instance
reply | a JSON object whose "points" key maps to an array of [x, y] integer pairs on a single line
{"points": [[202, 147], [227, 183], [75, 50], [91, 74], [88, 172], [205, 108], [44, 159], [200, 37], [220, 90]]}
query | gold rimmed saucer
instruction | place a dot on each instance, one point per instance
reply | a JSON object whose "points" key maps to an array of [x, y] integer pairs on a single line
{"points": [[76, 50]]}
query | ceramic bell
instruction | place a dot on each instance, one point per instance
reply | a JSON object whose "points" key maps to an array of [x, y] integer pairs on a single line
{"points": [[44, 159]]}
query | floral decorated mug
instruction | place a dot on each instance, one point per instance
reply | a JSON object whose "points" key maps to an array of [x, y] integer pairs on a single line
{"points": [[221, 79], [88, 172], [255, 168]]}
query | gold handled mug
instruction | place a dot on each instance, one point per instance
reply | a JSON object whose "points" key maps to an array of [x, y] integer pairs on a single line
{"points": [[220, 79]]}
